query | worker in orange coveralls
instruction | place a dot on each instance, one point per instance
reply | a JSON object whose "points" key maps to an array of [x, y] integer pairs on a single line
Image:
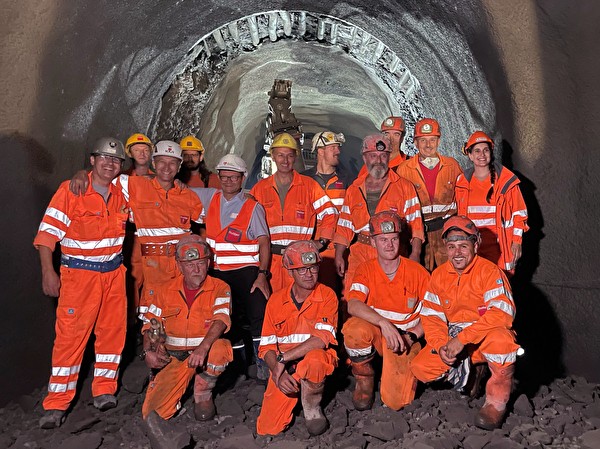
{"points": [[380, 189], [384, 304], [195, 310], [194, 171], [293, 203], [91, 288], [394, 128], [467, 316], [298, 332], [434, 177]]}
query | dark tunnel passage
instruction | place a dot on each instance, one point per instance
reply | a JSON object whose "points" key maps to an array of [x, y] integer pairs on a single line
{"points": [[522, 71]]}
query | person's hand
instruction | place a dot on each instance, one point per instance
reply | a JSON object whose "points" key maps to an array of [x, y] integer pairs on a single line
{"points": [[393, 339], [51, 283], [198, 357], [156, 360], [79, 183], [262, 284], [454, 347], [443, 353], [517, 251], [340, 265], [277, 372], [287, 384]]}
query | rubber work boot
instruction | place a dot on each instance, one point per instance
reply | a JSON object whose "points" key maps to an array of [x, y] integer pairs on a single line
{"points": [[105, 402], [52, 419], [311, 395], [204, 407], [497, 392], [363, 372]]}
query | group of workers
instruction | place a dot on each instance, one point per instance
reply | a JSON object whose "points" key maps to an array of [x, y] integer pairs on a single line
{"points": [[423, 251]]}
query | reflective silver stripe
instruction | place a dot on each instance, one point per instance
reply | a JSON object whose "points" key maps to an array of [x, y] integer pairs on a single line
{"points": [[426, 311], [361, 352], [61, 388], [360, 287], [108, 358], [232, 260], [318, 203], [462, 325], [154, 310], [413, 216], [346, 224], [328, 211], [92, 244], [411, 202], [102, 372], [481, 209], [224, 311], [508, 266], [239, 247], [142, 309], [518, 232], [364, 228], [390, 315], [218, 368], [293, 338], [435, 208], [408, 325], [183, 342], [291, 229], [510, 357], [58, 215], [222, 300], [494, 293], [63, 371], [124, 180], [325, 327], [345, 209], [268, 340], [485, 222], [433, 298], [283, 242], [504, 306], [337, 201], [161, 232], [45, 227], [143, 319]]}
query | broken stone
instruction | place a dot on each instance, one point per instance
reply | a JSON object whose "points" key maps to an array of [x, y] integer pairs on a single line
{"points": [[256, 394], [523, 407], [429, 423], [476, 441], [135, 376], [164, 435], [591, 439], [383, 431]]}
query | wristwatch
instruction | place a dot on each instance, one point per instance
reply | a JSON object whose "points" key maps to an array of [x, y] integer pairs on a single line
{"points": [[267, 273], [324, 243], [279, 358]]}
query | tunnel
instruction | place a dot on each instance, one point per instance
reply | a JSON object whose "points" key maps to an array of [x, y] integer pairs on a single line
{"points": [[524, 71]]}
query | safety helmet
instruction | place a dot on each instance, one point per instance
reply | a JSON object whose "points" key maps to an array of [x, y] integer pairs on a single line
{"points": [[475, 138], [135, 139], [109, 146], [385, 222], [461, 223], [285, 140], [427, 127], [376, 142], [192, 247], [167, 148], [393, 123], [325, 138], [232, 162], [301, 253], [191, 143]]}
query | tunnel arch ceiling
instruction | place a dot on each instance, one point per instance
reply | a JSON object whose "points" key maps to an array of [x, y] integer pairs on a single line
{"points": [[344, 78]]}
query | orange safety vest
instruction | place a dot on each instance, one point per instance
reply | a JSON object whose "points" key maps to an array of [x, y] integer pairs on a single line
{"points": [[232, 247], [86, 226], [186, 327]]}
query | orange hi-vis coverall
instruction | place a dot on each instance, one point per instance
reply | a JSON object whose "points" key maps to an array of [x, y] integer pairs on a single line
{"points": [[185, 328], [92, 292], [399, 301], [286, 327], [161, 218], [480, 302], [504, 218], [304, 204], [435, 211], [397, 195]]}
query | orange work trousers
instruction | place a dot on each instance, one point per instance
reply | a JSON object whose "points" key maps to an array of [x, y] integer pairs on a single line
{"points": [[498, 346], [89, 301], [166, 389], [136, 272], [398, 385], [276, 412], [435, 250], [359, 253]]}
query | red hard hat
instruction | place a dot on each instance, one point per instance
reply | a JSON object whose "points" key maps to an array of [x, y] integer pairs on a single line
{"points": [[192, 247], [393, 123], [376, 142], [461, 223], [475, 138], [301, 253], [427, 127], [385, 222]]}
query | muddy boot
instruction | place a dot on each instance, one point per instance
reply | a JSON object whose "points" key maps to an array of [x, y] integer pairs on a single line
{"points": [[497, 392], [52, 419], [363, 372], [204, 407], [262, 370], [311, 395], [105, 402]]}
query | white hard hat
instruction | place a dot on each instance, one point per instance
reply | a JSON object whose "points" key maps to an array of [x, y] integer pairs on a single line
{"points": [[233, 163], [167, 148], [324, 138]]}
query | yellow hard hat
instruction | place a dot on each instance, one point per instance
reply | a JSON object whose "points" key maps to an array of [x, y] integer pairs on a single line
{"points": [[137, 138], [285, 140], [191, 143]]}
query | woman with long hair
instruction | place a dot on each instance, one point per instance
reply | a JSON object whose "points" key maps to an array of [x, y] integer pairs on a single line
{"points": [[489, 194]]}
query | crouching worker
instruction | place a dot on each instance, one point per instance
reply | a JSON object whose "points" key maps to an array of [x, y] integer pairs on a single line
{"points": [[384, 303], [467, 316], [194, 309], [298, 332]]}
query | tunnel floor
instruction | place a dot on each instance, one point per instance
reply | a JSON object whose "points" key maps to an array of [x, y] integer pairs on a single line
{"points": [[564, 414]]}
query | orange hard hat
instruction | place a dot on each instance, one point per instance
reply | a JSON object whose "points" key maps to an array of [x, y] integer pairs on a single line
{"points": [[427, 127], [385, 222], [192, 247], [376, 142], [301, 253], [393, 123], [475, 138], [461, 223]]}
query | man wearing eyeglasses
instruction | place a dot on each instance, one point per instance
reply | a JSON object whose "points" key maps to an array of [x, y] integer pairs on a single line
{"points": [[384, 304], [91, 288], [236, 230], [297, 337]]}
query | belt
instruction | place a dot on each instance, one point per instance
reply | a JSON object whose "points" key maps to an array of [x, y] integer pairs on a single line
{"points": [[363, 238], [101, 267], [278, 249], [179, 355], [436, 224], [164, 249]]}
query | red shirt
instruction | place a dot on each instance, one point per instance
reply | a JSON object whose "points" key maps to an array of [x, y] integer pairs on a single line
{"points": [[430, 177]]}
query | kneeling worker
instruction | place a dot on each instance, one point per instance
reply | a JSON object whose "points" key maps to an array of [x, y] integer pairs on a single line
{"points": [[384, 303], [298, 332], [194, 309]]}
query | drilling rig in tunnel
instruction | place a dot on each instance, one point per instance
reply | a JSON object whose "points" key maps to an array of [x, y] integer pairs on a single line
{"points": [[279, 119]]}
